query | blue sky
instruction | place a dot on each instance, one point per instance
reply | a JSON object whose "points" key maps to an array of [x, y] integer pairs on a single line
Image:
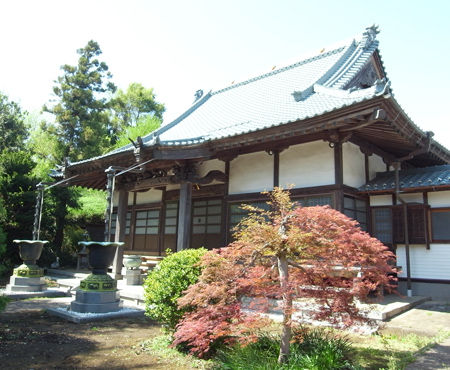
{"points": [[178, 47]]}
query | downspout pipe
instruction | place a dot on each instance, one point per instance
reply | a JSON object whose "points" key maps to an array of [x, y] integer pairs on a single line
{"points": [[398, 198], [425, 148]]}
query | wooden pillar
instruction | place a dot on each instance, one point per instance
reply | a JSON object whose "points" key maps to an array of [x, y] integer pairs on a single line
{"points": [[425, 219], [276, 168], [162, 218], [367, 167], [339, 175], [121, 221], [225, 209], [184, 216]]}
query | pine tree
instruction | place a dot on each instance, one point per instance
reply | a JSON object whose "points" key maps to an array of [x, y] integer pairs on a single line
{"points": [[81, 109]]}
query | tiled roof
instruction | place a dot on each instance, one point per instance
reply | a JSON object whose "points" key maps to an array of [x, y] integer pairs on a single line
{"points": [[410, 179], [302, 90], [308, 88]]}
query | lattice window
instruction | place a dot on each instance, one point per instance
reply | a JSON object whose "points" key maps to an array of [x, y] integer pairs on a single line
{"points": [[147, 222], [440, 225], [171, 218], [207, 216], [356, 209], [127, 223]]}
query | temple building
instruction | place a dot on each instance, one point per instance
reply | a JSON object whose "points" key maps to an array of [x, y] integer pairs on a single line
{"points": [[328, 125]]}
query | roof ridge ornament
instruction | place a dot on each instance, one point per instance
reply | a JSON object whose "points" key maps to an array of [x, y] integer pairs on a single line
{"points": [[198, 94], [370, 35]]}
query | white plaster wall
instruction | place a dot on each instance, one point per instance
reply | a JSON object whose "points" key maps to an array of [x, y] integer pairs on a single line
{"points": [[353, 165], [439, 199], [116, 199], [251, 173], [151, 196], [380, 200], [412, 198], [376, 164], [309, 164], [425, 263]]}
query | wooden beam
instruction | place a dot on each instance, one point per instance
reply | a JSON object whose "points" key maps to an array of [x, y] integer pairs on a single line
{"points": [[183, 152], [184, 216], [378, 115], [151, 183], [387, 157]]}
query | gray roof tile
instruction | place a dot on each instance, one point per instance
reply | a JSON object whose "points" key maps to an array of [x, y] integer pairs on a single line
{"points": [[306, 89], [410, 179]]}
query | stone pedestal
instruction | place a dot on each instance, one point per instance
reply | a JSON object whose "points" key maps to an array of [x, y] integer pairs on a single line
{"points": [[97, 294], [26, 284], [133, 277], [27, 278], [96, 302]]}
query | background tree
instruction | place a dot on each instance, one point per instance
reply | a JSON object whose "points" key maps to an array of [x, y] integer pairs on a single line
{"points": [[16, 181], [284, 253], [82, 103], [144, 126], [2, 237], [82, 125], [17, 191], [12, 125], [136, 103]]}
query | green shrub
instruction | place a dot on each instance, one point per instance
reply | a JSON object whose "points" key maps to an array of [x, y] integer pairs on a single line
{"points": [[3, 302], [311, 349], [166, 282]]}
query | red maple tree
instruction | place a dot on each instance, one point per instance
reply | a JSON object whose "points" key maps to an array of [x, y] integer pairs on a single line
{"points": [[286, 253]]}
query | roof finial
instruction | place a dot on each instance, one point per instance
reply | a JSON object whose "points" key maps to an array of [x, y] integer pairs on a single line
{"points": [[370, 35], [198, 94]]}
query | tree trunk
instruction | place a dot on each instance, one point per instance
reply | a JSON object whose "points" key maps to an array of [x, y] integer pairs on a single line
{"points": [[287, 309]]}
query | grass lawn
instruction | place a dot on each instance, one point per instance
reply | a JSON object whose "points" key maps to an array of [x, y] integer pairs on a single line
{"points": [[368, 352]]}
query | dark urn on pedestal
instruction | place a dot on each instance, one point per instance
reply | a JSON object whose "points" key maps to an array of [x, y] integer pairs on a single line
{"points": [[28, 277], [98, 292]]}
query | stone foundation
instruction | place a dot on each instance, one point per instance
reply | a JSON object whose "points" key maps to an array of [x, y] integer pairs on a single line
{"points": [[133, 277], [22, 283], [96, 302]]}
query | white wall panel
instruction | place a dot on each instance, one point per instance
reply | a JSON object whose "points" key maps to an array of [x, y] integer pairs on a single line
{"points": [[376, 164], [251, 173], [412, 197], [353, 165], [430, 263], [380, 200], [309, 164], [116, 198], [439, 198], [151, 196]]}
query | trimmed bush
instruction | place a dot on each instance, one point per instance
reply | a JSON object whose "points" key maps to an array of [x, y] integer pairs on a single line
{"points": [[166, 283]]}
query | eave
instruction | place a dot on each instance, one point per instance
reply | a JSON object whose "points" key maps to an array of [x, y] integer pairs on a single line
{"points": [[391, 136]]}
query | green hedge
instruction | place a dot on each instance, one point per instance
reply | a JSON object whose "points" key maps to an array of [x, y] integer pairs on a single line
{"points": [[166, 282]]}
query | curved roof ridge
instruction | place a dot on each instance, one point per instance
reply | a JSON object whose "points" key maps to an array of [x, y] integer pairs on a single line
{"points": [[164, 128], [283, 69]]}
